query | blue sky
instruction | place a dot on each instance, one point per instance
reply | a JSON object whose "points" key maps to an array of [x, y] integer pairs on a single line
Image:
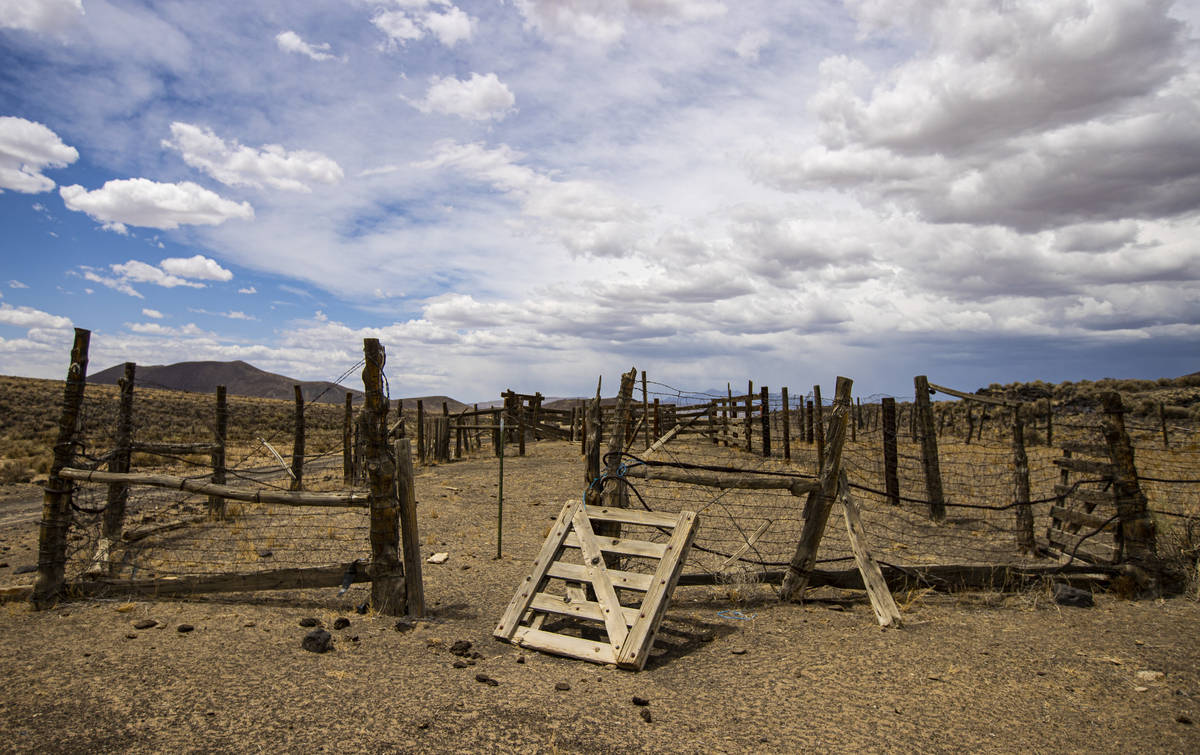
{"points": [[529, 193]]}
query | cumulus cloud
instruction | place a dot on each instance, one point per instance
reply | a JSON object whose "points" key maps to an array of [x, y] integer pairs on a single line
{"points": [[47, 16], [172, 272], [450, 26], [153, 313], [197, 267], [478, 98], [248, 290], [17, 284], [412, 20], [26, 149], [142, 202], [606, 21], [234, 164], [29, 318], [290, 41], [1001, 117]]}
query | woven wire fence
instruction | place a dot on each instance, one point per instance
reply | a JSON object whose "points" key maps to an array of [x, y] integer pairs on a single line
{"points": [[174, 533]]}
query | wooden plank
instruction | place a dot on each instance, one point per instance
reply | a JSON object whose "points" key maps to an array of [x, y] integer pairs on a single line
{"points": [[1091, 548], [542, 566], [632, 516], [725, 481], [277, 579], [973, 396], [572, 647], [654, 605], [624, 579], [1085, 466], [1083, 519], [624, 546], [1086, 495], [597, 572], [1087, 449], [410, 538], [175, 449], [886, 611], [261, 495], [584, 609], [750, 541]]}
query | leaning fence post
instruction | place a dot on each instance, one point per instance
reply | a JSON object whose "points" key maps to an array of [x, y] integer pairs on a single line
{"points": [[820, 502], [216, 504], [923, 419], [347, 449], [406, 497], [1138, 537], [388, 589], [298, 444], [1025, 542], [56, 500], [891, 474], [118, 492]]}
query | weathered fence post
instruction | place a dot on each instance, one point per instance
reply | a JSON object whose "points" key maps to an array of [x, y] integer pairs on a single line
{"points": [[658, 431], [591, 440], [420, 431], [406, 498], [1049, 422], [216, 504], [298, 442], [1138, 538], [118, 492], [56, 500], [646, 409], [616, 493], [820, 502], [749, 417], [853, 425], [787, 427], [766, 423], [819, 426], [730, 415], [1162, 418], [808, 424], [388, 589], [923, 413], [347, 449], [1025, 541], [891, 474], [970, 423]]}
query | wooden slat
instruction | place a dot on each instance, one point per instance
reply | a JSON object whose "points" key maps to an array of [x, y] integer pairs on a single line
{"points": [[725, 480], [624, 579], [1085, 466], [632, 516], [1086, 495], [882, 602], [1087, 449], [654, 605], [282, 497], [597, 572], [1092, 549], [541, 568], [1083, 519], [276, 579], [585, 609], [175, 449], [974, 396], [623, 546], [572, 647]]}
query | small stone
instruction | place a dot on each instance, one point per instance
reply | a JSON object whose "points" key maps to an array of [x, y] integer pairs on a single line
{"points": [[184, 628], [354, 638], [464, 567], [738, 651], [646, 716], [249, 624], [144, 624], [485, 679], [26, 569], [361, 610], [461, 648], [562, 686], [707, 637], [520, 659], [402, 625], [477, 655], [3, 564], [1187, 721], [310, 621], [643, 701], [836, 607], [317, 641], [1149, 676], [265, 553], [1066, 595], [459, 664], [438, 558], [341, 622], [1141, 689], [131, 636], [423, 725]]}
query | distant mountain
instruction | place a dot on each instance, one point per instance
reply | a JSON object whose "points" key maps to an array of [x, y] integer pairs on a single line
{"points": [[239, 379], [433, 404]]}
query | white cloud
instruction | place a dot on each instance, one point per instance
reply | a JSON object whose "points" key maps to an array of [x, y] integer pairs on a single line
{"points": [[450, 27], [40, 15], [28, 317], [448, 24], [248, 290], [197, 267], [290, 41], [397, 25], [606, 21], [26, 149], [139, 272], [152, 313], [478, 98], [17, 284], [236, 165], [750, 44], [142, 202]]}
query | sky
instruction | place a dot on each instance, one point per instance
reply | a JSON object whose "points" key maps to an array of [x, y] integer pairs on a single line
{"points": [[529, 194]]}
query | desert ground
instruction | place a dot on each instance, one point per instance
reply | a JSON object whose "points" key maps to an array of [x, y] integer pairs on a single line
{"points": [[733, 670]]}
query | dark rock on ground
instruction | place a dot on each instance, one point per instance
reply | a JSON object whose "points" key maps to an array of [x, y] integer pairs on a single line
{"points": [[341, 622], [145, 624], [1066, 595], [309, 621], [317, 641], [461, 648], [184, 628]]}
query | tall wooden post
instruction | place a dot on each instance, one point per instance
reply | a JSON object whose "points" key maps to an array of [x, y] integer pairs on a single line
{"points": [[658, 431], [592, 442], [820, 502], [298, 443], [853, 425], [388, 590], [1049, 422], [56, 500], [808, 424], [1162, 418], [216, 504], [347, 449], [970, 423], [1138, 536], [646, 409], [118, 492], [819, 427], [730, 415], [891, 474], [1025, 541], [923, 412], [406, 499], [750, 416], [787, 427], [766, 422], [420, 431]]}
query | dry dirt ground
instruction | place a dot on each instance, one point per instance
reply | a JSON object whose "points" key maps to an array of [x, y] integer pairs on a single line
{"points": [[969, 672]]}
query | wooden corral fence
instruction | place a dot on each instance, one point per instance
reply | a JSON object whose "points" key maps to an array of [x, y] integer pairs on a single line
{"points": [[393, 566]]}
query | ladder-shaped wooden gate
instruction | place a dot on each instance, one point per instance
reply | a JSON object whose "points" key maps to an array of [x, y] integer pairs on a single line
{"points": [[1083, 524], [575, 583]]}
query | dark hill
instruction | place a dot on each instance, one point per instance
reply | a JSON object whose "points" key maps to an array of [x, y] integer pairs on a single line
{"points": [[239, 378]]}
